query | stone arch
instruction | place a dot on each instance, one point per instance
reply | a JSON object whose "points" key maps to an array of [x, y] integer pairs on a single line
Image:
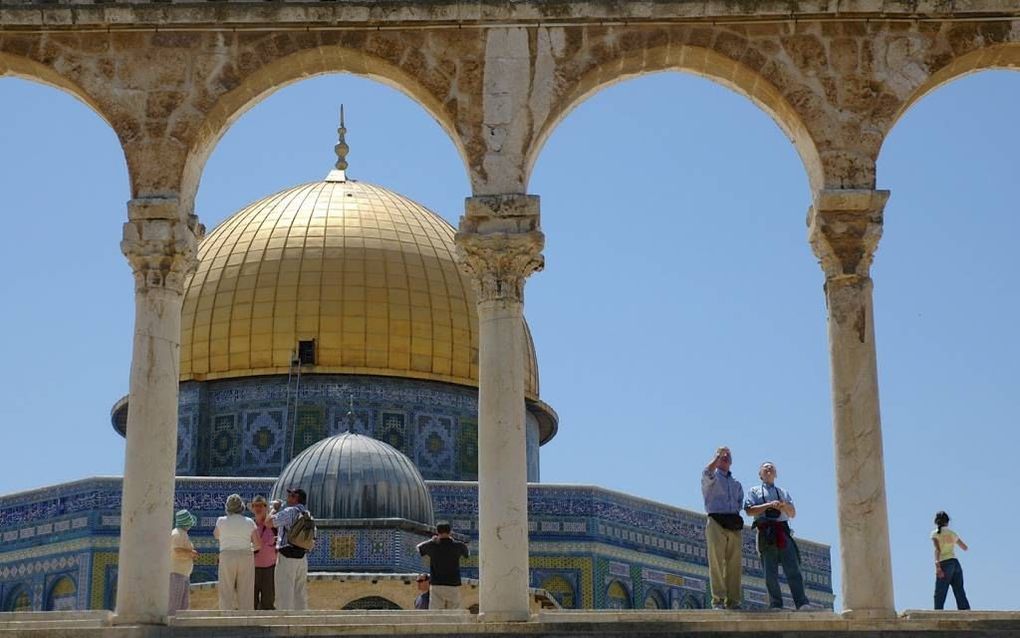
{"points": [[1001, 57], [289, 69], [27, 69], [62, 594], [700, 61]]}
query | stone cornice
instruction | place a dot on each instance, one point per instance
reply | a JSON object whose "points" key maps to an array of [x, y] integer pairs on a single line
{"points": [[82, 14], [499, 244], [844, 227], [160, 246]]}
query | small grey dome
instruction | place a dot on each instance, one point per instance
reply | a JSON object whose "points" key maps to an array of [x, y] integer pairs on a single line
{"points": [[353, 476]]}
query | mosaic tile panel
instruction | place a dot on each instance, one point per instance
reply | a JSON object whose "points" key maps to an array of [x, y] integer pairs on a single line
{"points": [[309, 427], [224, 443], [262, 435], [467, 449], [434, 445], [392, 429], [186, 442]]}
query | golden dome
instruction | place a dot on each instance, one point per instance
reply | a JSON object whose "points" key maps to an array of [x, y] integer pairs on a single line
{"points": [[366, 273]]}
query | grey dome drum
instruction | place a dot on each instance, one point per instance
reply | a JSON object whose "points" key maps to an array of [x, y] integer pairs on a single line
{"points": [[353, 476]]}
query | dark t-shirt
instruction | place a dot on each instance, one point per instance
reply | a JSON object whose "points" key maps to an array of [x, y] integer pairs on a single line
{"points": [[445, 555]]}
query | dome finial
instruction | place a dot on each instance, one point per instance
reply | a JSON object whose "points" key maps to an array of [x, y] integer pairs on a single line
{"points": [[341, 148], [339, 172], [350, 411]]}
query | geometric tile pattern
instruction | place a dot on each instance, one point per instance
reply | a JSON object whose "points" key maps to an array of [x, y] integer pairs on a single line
{"points": [[433, 445], [385, 408], [393, 430], [262, 437], [467, 450], [186, 443], [223, 444], [309, 427]]}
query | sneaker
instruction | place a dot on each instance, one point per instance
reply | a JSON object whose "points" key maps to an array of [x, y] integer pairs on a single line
{"points": [[718, 606]]}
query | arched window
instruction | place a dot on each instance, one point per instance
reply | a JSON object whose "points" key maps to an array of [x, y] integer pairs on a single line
{"points": [[372, 602], [19, 600], [655, 600], [617, 596], [560, 589], [63, 595]]}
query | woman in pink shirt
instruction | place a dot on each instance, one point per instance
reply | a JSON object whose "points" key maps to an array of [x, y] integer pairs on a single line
{"points": [[265, 557]]}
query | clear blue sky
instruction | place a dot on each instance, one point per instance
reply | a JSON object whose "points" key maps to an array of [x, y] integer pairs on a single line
{"points": [[681, 307]]}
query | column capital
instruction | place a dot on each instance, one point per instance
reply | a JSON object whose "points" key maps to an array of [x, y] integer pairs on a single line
{"points": [[844, 227], [160, 243], [499, 244]]}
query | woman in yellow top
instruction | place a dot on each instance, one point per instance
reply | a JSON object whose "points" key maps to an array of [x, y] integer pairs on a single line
{"points": [[947, 569]]}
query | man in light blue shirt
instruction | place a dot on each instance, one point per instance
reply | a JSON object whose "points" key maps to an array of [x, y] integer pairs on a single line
{"points": [[723, 499], [772, 506]]}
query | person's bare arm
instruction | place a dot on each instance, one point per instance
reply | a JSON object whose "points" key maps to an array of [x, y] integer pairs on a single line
{"points": [[938, 564], [959, 541], [755, 510], [789, 509]]}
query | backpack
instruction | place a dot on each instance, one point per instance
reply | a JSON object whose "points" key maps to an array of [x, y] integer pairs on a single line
{"points": [[302, 532]]}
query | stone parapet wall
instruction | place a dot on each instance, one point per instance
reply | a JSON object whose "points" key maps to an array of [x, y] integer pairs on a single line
{"points": [[489, 12]]}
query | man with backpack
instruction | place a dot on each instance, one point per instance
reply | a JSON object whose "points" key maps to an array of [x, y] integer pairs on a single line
{"points": [[295, 538]]}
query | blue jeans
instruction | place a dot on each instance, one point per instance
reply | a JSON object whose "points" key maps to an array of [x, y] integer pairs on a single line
{"points": [[771, 558], [952, 574]]}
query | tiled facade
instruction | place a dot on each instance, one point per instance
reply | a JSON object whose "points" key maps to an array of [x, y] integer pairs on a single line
{"points": [[254, 426], [590, 547]]}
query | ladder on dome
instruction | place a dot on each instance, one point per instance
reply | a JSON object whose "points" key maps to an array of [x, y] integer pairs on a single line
{"points": [[290, 408]]}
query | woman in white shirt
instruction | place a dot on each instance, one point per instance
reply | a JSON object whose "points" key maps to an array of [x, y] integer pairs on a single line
{"points": [[238, 541]]}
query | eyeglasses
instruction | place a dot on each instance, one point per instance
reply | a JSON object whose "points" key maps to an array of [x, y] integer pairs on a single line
{"points": [[422, 580]]}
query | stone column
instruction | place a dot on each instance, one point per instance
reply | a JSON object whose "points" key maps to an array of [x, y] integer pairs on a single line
{"points": [[160, 247], [499, 244], [845, 226]]}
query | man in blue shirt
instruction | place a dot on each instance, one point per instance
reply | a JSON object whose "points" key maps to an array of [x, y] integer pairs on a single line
{"points": [[771, 506], [291, 576], [723, 499]]}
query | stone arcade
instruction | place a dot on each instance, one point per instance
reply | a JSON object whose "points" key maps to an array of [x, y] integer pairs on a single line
{"points": [[170, 77]]}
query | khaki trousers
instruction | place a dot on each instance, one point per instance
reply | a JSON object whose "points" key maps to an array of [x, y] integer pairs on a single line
{"points": [[725, 550], [444, 597], [291, 581], [237, 579]]}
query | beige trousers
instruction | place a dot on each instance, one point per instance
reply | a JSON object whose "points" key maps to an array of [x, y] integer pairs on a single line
{"points": [[237, 579], [291, 581], [444, 597], [724, 564]]}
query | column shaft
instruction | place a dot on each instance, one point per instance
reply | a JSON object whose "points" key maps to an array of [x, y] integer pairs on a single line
{"points": [[865, 557], [502, 462], [499, 246], [143, 573], [845, 227], [160, 245]]}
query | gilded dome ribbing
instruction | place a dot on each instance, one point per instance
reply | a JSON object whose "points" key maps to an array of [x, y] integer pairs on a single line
{"points": [[366, 273]]}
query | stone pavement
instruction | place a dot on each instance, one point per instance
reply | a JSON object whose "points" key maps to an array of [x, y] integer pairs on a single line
{"points": [[601, 624]]}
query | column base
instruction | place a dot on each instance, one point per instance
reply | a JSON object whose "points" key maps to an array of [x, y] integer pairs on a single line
{"points": [[868, 614], [504, 616]]}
